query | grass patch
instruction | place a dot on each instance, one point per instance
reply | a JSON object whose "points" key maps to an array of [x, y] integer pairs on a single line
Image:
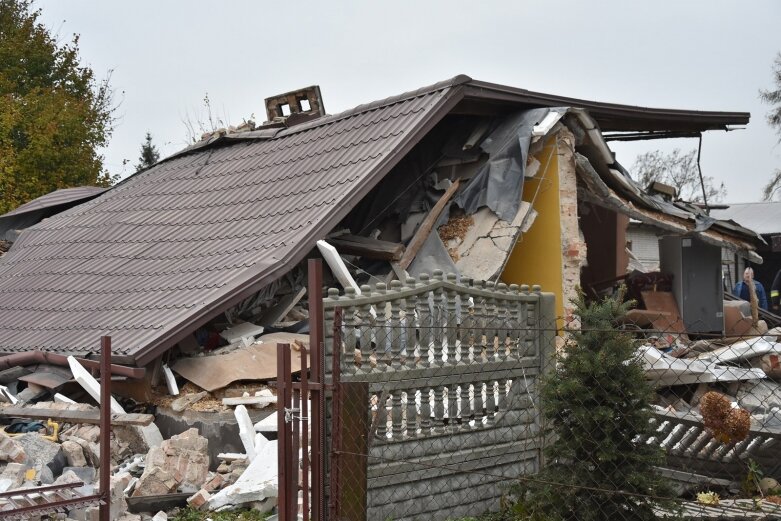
{"points": [[191, 514]]}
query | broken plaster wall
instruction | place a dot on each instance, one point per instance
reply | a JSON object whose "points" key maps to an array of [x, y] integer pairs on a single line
{"points": [[552, 252], [573, 245]]}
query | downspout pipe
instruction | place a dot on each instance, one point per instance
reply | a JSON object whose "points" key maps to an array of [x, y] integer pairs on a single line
{"points": [[42, 357]]}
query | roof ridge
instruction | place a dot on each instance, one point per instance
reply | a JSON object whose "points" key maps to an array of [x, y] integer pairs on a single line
{"points": [[269, 133], [460, 79]]}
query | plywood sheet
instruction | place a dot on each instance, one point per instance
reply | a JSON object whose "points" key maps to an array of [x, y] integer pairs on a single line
{"points": [[664, 301], [256, 362]]}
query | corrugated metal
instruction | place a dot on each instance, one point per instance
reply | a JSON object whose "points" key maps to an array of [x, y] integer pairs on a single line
{"points": [[178, 243], [763, 218], [57, 198]]}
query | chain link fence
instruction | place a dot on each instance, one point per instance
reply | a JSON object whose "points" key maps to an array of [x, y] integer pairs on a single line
{"points": [[466, 400]]}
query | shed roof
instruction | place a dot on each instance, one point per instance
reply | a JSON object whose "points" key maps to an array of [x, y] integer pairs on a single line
{"points": [[59, 197], [175, 245], [762, 217]]}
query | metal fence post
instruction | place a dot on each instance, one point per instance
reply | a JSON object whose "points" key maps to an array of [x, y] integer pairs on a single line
{"points": [[105, 428], [317, 368]]}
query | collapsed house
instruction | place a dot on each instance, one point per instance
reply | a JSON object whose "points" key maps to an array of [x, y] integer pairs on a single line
{"points": [[202, 254]]}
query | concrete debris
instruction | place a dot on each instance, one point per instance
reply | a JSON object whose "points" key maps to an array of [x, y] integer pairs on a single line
{"points": [[180, 463], [666, 370], [759, 397], [10, 450], [200, 499], [256, 484], [12, 476], [160, 516], [45, 456], [743, 350], [74, 454]]}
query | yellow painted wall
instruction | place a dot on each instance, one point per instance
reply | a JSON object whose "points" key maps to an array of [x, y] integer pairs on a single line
{"points": [[536, 258]]}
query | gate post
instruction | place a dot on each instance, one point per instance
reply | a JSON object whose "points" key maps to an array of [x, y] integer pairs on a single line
{"points": [[317, 368]]}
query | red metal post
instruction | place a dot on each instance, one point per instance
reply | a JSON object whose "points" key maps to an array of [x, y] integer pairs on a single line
{"points": [[295, 446], [283, 430], [317, 365], [105, 427], [305, 432]]}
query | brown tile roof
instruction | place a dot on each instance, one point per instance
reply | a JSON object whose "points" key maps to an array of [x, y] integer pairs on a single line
{"points": [[59, 197], [178, 243]]}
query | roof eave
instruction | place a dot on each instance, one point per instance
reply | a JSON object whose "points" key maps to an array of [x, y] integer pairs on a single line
{"points": [[613, 116]]}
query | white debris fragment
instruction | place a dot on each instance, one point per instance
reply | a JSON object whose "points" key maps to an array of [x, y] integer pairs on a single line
{"points": [[231, 456], [244, 332], [246, 431], [337, 266], [7, 396], [61, 398], [257, 483], [267, 424], [170, 381], [91, 385]]}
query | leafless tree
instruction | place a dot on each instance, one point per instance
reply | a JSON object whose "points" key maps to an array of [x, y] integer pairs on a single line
{"points": [[679, 170], [773, 98]]}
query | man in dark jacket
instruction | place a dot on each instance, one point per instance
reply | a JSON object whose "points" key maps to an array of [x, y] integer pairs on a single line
{"points": [[742, 288]]}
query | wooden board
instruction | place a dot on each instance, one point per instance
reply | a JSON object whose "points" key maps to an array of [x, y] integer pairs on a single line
{"points": [[366, 247], [91, 417]]}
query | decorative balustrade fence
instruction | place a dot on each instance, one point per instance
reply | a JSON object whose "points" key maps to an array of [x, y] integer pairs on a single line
{"points": [[435, 400]]}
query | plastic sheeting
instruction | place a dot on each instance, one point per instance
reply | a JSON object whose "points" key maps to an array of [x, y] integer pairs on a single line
{"points": [[499, 183]]}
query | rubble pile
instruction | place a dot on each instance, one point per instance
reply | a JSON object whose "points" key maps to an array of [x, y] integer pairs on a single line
{"points": [[51, 437]]}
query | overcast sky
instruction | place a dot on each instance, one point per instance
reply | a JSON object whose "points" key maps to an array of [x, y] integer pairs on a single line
{"points": [[166, 55]]}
